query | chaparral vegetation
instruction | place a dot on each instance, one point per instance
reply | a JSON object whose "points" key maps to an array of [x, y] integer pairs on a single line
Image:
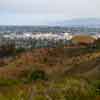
{"points": [[59, 73]]}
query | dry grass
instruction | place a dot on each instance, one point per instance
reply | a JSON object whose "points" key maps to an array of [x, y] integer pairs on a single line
{"points": [[58, 64], [83, 39], [52, 61]]}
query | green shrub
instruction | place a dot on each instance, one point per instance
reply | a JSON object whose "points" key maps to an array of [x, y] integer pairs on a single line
{"points": [[96, 84], [38, 75], [19, 50], [8, 82]]}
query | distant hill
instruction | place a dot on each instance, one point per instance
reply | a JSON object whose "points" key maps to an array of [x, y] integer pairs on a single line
{"points": [[85, 39], [89, 22]]}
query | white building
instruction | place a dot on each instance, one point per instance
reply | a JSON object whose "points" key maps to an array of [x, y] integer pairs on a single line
{"points": [[68, 36]]}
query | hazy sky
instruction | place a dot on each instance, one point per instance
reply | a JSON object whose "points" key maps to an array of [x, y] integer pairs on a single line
{"points": [[35, 12]]}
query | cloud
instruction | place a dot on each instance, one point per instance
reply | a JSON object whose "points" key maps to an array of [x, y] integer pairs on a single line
{"points": [[66, 7], [41, 11]]}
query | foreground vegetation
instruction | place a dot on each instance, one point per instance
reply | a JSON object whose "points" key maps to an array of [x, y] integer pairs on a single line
{"points": [[51, 74], [64, 89]]}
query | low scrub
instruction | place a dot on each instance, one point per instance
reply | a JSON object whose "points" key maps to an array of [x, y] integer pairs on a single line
{"points": [[38, 75]]}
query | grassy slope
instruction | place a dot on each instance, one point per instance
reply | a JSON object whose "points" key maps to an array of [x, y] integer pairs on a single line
{"points": [[71, 61], [60, 65], [83, 39]]}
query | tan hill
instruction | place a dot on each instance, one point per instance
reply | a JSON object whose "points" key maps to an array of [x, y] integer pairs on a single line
{"points": [[83, 39]]}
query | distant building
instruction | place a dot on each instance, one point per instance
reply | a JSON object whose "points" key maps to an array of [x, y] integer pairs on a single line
{"points": [[29, 40], [68, 36]]}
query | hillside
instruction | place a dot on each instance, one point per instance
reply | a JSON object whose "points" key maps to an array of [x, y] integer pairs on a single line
{"points": [[69, 60], [35, 73]]}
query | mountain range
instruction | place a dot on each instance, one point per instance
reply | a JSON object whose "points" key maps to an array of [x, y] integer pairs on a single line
{"points": [[85, 22]]}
